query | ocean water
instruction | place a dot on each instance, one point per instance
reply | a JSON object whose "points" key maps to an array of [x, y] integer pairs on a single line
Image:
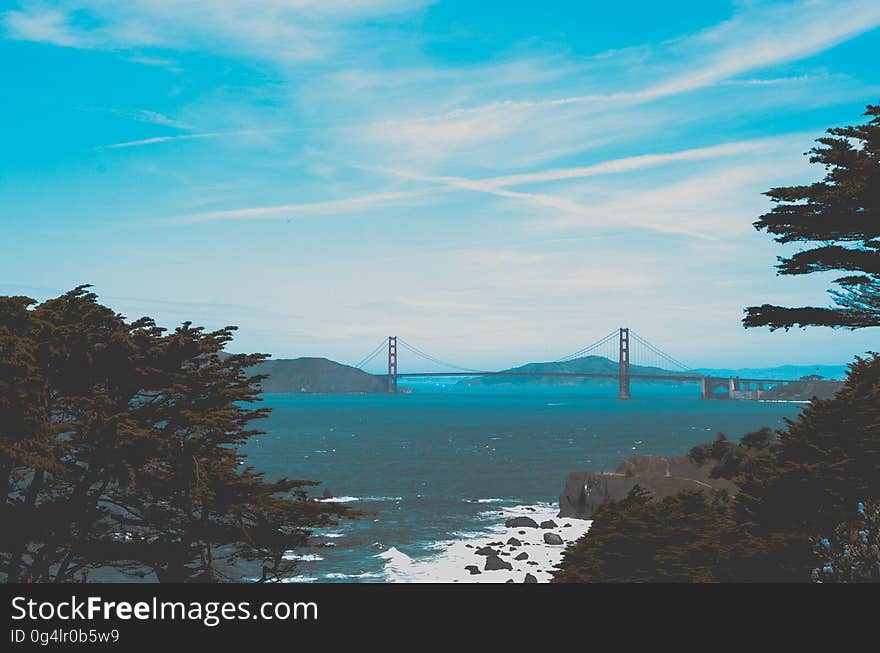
{"points": [[446, 463]]}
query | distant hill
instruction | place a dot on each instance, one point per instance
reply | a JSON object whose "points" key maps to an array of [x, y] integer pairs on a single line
{"points": [[316, 375], [585, 365], [793, 372]]}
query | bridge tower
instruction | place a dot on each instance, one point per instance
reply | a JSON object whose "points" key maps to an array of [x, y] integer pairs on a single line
{"points": [[392, 364], [623, 369]]}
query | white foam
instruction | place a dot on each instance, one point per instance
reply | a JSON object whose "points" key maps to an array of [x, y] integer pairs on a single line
{"points": [[448, 564], [366, 574], [353, 499], [304, 557]]}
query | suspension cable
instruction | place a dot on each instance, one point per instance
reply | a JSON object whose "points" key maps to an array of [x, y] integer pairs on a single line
{"points": [[433, 359], [660, 353], [366, 359], [581, 352]]}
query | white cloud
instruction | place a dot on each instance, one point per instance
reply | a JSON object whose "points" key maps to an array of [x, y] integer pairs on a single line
{"points": [[279, 30], [305, 209]]}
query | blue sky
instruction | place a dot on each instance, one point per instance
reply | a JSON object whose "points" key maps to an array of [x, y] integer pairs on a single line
{"points": [[496, 182]]}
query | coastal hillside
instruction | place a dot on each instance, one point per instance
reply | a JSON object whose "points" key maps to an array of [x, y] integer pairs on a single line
{"points": [[316, 375], [584, 492], [792, 372], [585, 365], [803, 390]]}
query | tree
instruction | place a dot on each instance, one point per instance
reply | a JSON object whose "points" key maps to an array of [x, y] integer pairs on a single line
{"points": [[841, 216], [825, 462], [119, 448], [682, 538], [852, 554]]}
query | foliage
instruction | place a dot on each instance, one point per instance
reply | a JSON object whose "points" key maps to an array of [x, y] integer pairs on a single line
{"points": [[682, 538], [841, 216], [792, 485], [119, 448], [825, 461], [852, 554]]}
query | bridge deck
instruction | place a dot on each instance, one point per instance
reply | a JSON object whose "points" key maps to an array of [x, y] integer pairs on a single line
{"points": [[582, 375]]}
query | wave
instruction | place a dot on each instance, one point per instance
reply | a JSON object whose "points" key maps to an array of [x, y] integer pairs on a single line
{"points": [[353, 499], [302, 557], [366, 574], [447, 562]]}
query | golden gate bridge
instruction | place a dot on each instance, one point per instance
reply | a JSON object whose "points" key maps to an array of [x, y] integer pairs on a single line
{"points": [[625, 345]]}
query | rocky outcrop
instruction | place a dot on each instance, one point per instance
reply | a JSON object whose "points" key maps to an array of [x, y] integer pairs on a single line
{"points": [[521, 522], [584, 492]]}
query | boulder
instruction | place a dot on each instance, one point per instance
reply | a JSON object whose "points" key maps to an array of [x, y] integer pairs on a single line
{"points": [[549, 524], [473, 569], [522, 556], [486, 551], [514, 542], [495, 563], [521, 522], [552, 538], [530, 579]]}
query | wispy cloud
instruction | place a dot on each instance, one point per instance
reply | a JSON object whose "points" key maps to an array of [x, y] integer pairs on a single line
{"points": [[305, 209], [757, 38], [278, 30], [241, 133]]}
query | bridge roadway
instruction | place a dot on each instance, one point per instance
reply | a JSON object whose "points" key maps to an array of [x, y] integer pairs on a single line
{"points": [[586, 375]]}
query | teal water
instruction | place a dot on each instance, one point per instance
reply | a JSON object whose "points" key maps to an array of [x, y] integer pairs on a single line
{"points": [[432, 465]]}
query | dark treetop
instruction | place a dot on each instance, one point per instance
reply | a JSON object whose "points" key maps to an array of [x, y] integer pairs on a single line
{"points": [[840, 215]]}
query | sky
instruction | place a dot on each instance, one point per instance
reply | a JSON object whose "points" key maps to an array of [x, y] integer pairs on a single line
{"points": [[495, 182]]}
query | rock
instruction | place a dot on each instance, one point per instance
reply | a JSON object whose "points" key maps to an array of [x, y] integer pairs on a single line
{"points": [[327, 493], [522, 556], [509, 580], [473, 569], [504, 553], [566, 526], [552, 538], [494, 563], [549, 524], [584, 492], [530, 579], [486, 551], [531, 562], [470, 546], [530, 509], [520, 532], [514, 542], [522, 522]]}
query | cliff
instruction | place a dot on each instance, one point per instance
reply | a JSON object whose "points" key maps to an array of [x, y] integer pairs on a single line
{"points": [[316, 375], [584, 492]]}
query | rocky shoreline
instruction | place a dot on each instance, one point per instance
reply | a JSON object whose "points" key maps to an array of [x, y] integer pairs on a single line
{"points": [[524, 547]]}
